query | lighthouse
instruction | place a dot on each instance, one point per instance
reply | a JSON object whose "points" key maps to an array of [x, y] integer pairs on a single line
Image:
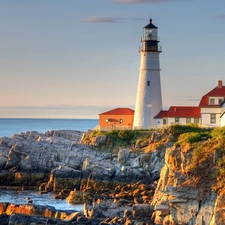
{"points": [[149, 97]]}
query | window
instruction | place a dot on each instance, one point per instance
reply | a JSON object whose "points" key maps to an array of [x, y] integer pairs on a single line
{"points": [[121, 120], [188, 120], [148, 83], [211, 101], [147, 34], [177, 120], [220, 100], [212, 118], [196, 120], [164, 121]]}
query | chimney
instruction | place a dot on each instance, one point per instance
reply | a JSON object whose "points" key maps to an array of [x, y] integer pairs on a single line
{"points": [[220, 83]]}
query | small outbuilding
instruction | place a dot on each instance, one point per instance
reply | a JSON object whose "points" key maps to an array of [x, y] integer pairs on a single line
{"points": [[119, 118]]}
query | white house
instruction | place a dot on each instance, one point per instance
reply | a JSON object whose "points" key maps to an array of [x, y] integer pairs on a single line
{"points": [[222, 116], [209, 113], [211, 106], [178, 114]]}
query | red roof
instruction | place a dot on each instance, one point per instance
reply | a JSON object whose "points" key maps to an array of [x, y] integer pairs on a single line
{"points": [[119, 111], [181, 112], [184, 111], [161, 114], [218, 91]]}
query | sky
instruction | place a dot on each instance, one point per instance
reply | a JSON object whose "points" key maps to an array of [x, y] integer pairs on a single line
{"points": [[79, 58]]}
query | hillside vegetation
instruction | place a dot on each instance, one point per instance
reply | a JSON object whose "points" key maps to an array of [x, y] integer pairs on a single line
{"points": [[206, 144]]}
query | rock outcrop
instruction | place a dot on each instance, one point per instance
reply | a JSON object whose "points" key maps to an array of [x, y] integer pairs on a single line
{"points": [[182, 197], [57, 158], [38, 214], [150, 182], [57, 161]]}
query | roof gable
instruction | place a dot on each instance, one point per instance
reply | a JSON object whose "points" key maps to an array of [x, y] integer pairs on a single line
{"points": [[119, 111], [161, 114], [218, 91]]}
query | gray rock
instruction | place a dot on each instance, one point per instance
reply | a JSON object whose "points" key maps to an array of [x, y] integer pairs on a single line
{"points": [[123, 156]]}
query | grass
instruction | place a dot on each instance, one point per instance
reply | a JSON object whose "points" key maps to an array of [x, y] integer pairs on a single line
{"points": [[117, 139], [192, 137]]}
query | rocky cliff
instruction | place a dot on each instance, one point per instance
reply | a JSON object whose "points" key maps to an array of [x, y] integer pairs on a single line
{"points": [[191, 188], [168, 176]]}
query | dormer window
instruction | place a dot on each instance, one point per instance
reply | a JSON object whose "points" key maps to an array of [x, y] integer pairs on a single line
{"points": [[220, 100], [211, 101]]}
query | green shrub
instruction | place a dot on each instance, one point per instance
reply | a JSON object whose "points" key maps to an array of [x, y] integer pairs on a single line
{"points": [[192, 137], [123, 137], [202, 156], [218, 133], [180, 129]]}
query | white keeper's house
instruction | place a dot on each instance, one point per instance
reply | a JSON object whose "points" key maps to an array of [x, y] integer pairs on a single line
{"points": [[209, 113]]}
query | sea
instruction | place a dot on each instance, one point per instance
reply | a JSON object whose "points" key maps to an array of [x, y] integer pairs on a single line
{"points": [[8, 127]]}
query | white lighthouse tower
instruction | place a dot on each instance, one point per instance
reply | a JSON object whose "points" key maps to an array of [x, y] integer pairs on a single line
{"points": [[149, 97]]}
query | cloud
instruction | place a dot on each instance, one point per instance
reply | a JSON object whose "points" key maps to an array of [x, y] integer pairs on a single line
{"points": [[141, 1], [221, 16], [186, 98], [101, 20], [108, 19]]}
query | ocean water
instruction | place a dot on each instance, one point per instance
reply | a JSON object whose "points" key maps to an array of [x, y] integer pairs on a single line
{"points": [[15, 126], [19, 197]]}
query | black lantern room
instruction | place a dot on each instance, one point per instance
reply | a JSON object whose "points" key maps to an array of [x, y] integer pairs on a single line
{"points": [[150, 38]]}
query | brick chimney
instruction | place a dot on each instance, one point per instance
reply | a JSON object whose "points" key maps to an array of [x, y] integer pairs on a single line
{"points": [[220, 83]]}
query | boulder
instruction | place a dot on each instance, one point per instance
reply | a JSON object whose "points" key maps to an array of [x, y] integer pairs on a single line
{"points": [[64, 177], [79, 197], [4, 219], [123, 156], [142, 211]]}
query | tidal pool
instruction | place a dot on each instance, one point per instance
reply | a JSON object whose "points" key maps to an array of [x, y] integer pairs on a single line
{"points": [[19, 197]]}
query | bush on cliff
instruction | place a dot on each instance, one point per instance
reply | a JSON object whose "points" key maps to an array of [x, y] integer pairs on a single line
{"points": [[208, 157], [203, 155], [119, 138], [178, 129], [192, 137], [122, 138], [218, 133]]}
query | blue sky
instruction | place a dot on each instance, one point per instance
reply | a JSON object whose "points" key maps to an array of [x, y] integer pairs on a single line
{"points": [[78, 58]]}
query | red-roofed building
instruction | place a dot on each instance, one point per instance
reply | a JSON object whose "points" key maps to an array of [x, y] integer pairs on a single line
{"points": [[119, 118], [211, 106], [179, 114], [210, 112]]}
